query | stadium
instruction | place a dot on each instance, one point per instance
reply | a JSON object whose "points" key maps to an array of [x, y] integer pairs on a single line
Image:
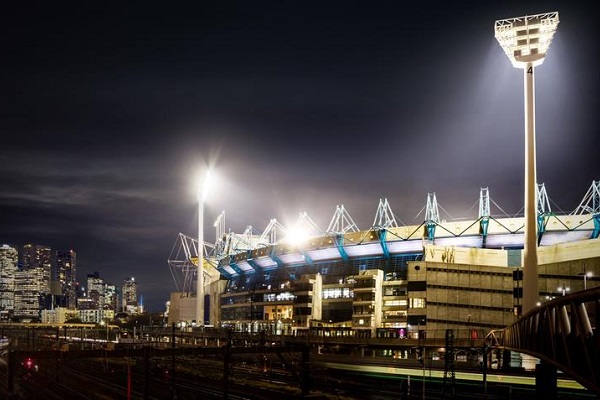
{"points": [[387, 281]]}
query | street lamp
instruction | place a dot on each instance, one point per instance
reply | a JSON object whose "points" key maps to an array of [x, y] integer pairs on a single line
{"points": [[586, 274], [202, 193], [525, 40], [564, 289], [104, 324]]}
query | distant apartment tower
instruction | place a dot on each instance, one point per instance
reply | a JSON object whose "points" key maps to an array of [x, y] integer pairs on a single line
{"points": [[36, 256], [29, 286], [65, 267], [9, 260], [95, 289], [129, 293], [111, 298], [58, 316]]}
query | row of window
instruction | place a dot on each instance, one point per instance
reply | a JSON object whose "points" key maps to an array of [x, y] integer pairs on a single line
{"points": [[470, 271], [338, 293], [489, 308], [470, 289], [328, 294]]}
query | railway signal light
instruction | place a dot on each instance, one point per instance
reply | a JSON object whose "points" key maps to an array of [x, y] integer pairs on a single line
{"points": [[30, 364]]}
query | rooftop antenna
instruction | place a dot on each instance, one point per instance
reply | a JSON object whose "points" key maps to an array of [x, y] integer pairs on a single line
{"points": [[590, 204], [484, 212], [341, 222], [270, 233], [484, 203], [384, 217], [543, 203], [219, 225], [305, 221], [220, 237], [432, 215], [432, 212]]}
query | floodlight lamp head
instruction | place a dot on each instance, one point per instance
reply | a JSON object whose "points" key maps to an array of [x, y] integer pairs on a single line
{"points": [[525, 40]]}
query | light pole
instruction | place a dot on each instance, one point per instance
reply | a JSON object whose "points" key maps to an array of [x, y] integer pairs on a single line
{"points": [[586, 274], [202, 193], [525, 40], [564, 289]]}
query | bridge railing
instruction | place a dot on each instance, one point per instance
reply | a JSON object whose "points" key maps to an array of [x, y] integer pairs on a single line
{"points": [[561, 332]]}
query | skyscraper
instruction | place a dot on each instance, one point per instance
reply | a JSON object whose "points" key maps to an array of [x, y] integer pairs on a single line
{"points": [[28, 289], [129, 293], [110, 297], [36, 256], [9, 259], [95, 289], [65, 267]]}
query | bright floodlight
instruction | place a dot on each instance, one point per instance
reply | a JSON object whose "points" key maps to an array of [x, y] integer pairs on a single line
{"points": [[296, 236], [206, 185], [526, 39]]}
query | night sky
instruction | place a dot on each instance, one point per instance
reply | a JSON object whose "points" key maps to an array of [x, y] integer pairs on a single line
{"points": [[109, 110]]}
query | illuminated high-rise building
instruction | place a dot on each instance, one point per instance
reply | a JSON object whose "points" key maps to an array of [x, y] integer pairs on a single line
{"points": [[28, 293], [95, 289], [65, 267], [111, 298], [36, 256], [129, 296], [9, 259]]}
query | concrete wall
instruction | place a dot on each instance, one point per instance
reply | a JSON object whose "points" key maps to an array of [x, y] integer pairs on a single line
{"points": [[466, 255], [562, 252], [182, 307]]}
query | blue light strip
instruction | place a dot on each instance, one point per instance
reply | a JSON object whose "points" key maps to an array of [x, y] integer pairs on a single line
{"points": [[253, 264], [275, 258], [237, 269], [382, 233], [224, 272], [339, 243]]}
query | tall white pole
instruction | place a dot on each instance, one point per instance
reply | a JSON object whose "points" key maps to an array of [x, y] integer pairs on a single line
{"points": [[200, 279], [530, 259], [525, 40]]}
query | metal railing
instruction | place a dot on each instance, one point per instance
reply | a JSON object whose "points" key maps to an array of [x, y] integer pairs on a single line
{"points": [[561, 332]]}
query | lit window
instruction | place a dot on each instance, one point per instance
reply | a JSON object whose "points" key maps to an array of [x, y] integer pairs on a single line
{"points": [[417, 302]]}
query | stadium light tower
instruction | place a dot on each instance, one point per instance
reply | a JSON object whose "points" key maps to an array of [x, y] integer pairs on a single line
{"points": [[203, 189], [525, 41]]}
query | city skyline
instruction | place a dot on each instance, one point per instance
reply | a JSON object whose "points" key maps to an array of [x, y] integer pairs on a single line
{"points": [[37, 283], [56, 255], [109, 113]]}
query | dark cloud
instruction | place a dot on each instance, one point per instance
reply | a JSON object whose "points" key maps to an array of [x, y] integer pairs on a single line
{"points": [[108, 110]]}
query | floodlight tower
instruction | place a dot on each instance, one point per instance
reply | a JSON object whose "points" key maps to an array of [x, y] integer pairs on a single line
{"points": [[525, 41], [203, 189]]}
